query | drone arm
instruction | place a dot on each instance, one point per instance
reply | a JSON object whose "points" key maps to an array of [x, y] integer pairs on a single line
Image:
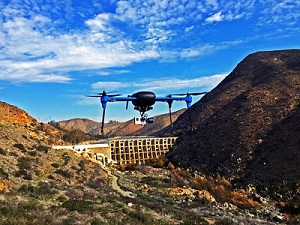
{"points": [[187, 99]]}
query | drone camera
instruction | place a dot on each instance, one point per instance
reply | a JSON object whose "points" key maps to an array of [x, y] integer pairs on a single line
{"points": [[137, 121]]}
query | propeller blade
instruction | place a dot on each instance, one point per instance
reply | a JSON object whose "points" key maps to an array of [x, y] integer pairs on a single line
{"points": [[189, 94], [94, 96], [198, 93], [113, 95], [126, 105], [99, 95]]}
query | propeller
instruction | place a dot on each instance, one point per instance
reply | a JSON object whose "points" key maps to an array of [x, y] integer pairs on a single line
{"points": [[104, 93], [189, 94], [101, 95]]}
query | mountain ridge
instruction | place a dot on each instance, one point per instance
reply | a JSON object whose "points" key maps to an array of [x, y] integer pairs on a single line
{"points": [[127, 128]]}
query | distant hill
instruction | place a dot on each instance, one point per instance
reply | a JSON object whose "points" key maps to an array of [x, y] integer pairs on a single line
{"points": [[127, 128], [248, 127]]}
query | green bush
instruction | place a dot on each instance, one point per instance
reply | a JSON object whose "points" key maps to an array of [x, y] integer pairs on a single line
{"points": [[55, 165], [43, 148], [64, 173], [24, 136], [80, 206], [75, 136], [32, 153], [20, 146]]}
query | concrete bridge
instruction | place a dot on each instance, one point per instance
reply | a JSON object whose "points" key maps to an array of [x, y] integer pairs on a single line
{"points": [[125, 150]]}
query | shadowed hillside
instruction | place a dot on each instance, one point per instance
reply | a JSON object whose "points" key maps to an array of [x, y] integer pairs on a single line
{"points": [[248, 126]]}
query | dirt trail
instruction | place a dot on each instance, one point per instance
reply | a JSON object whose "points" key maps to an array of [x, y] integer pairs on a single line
{"points": [[115, 186]]}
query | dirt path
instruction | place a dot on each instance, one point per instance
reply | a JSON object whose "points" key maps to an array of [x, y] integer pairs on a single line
{"points": [[115, 186]]}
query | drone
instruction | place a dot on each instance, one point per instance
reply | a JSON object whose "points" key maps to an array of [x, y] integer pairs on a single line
{"points": [[143, 101]]}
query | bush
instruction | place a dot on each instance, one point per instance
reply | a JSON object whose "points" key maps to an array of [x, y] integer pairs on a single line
{"points": [[24, 136], [80, 206], [75, 136], [32, 153], [97, 222], [20, 146], [3, 174], [43, 148], [55, 165], [2, 151], [122, 167], [24, 163], [64, 173]]}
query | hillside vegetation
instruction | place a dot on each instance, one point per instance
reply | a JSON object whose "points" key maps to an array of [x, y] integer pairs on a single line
{"points": [[40, 185]]}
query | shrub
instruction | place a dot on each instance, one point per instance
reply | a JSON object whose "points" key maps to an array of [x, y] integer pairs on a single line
{"points": [[97, 222], [32, 153], [64, 173], [24, 163], [223, 181], [81, 164], [24, 136], [221, 189], [75, 136], [55, 165], [131, 166], [122, 167], [171, 166], [80, 206], [2, 151], [3, 174], [43, 148], [20, 146]]}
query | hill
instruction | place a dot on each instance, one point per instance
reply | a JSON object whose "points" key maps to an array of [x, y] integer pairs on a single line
{"points": [[127, 128], [40, 185], [14, 115], [247, 128]]}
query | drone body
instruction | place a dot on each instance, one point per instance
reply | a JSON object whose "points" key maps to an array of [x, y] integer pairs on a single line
{"points": [[143, 101]]}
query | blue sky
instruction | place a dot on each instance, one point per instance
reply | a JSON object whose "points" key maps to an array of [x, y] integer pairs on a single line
{"points": [[53, 52]]}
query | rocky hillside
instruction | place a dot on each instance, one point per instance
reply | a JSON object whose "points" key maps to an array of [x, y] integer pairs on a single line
{"points": [[12, 114], [127, 128], [248, 127], [40, 185]]}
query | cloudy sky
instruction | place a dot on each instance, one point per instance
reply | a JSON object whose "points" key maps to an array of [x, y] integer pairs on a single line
{"points": [[53, 52]]}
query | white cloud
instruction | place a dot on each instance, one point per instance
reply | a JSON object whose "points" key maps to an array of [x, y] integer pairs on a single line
{"points": [[206, 82], [48, 40], [33, 54], [217, 17], [285, 12]]}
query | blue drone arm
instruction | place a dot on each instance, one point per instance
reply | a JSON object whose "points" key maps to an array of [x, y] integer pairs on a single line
{"points": [[187, 99], [104, 99]]}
